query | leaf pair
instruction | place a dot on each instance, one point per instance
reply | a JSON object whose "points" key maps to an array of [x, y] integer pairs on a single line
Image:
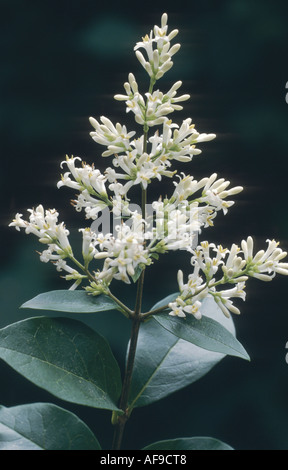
{"points": [[74, 363]]}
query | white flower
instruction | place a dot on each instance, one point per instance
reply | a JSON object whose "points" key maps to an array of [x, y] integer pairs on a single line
{"points": [[70, 162], [88, 244], [18, 222], [236, 291], [247, 247], [67, 181], [176, 310], [91, 184], [227, 306], [180, 231], [194, 309]]}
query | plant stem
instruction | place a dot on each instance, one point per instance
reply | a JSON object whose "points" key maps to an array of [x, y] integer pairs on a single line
{"points": [[83, 268], [136, 321], [136, 318], [123, 405], [124, 309], [146, 315]]}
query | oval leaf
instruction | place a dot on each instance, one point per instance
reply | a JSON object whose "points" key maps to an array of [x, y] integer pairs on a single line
{"points": [[71, 301], [189, 443], [165, 363], [65, 357], [205, 333], [43, 426]]}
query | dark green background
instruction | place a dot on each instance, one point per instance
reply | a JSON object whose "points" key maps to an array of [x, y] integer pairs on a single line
{"points": [[62, 61]]}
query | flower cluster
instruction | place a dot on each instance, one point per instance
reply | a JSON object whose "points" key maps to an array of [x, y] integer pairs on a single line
{"points": [[139, 165], [90, 182], [232, 266], [44, 225], [154, 109], [125, 253], [133, 160], [173, 223], [159, 57]]}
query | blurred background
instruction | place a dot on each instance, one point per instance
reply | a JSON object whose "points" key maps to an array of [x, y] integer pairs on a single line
{"points": [[61, 62]]}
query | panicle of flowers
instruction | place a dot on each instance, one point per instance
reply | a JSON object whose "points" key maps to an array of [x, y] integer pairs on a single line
{"points": [[139, 160], [193, 205]]}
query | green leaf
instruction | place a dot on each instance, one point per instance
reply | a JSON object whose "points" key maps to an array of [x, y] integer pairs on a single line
{"points": [[71, 301], [189, 443], [164, 363], [43, 426], [65, 357], [205, 333]]}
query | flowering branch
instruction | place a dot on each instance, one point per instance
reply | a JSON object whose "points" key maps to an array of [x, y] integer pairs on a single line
{"points": [[141, 236]]}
